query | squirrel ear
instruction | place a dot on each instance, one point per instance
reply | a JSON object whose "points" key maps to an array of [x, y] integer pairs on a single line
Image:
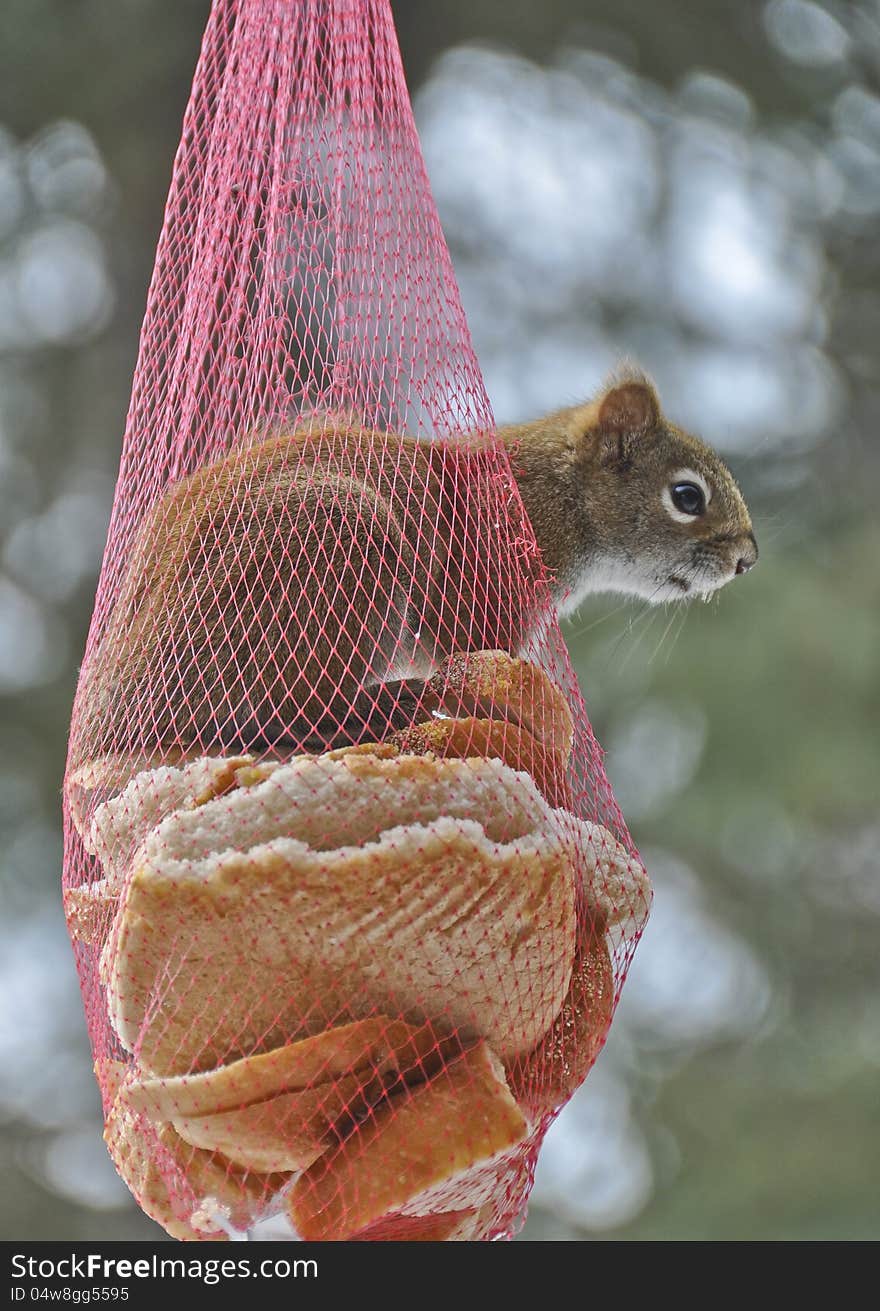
{"points": [[629, 407]]}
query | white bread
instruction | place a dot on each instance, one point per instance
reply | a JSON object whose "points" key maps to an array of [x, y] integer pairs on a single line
{"points": [[281, 1110], [91, 783], [193, 1194], [347, 799], [121, 822], [90, 910], [442, 1149], [234, 933], [388, 1048], [615, 883]]}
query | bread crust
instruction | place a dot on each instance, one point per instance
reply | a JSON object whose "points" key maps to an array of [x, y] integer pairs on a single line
{"points": [[386, 1047], [491, 739], [193, 1194], [547, 1076], [215, 958], [425, 1160]]}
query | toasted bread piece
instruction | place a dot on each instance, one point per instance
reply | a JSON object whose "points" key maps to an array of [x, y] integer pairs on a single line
{"points": [[281, 1110], [431, 1156], [493, 739], [495, 685], [290, 1130], [444, 1227], [90, 910], [379, 1045], [550, 1073]]}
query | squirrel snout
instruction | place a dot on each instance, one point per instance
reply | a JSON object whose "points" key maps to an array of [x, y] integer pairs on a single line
{"points": [[749, 556]]}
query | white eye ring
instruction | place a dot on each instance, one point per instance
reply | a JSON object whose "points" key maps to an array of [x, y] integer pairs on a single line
{"points": [[684, 476]]}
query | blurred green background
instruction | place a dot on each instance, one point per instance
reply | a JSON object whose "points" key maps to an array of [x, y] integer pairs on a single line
{"points": [[697, 186]]}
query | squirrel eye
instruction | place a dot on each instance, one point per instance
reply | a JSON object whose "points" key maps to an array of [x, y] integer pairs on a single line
{"points": [[688, 498]]}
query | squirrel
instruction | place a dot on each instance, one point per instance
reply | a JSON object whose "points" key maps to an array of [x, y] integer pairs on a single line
{"points": [[271, 595]]}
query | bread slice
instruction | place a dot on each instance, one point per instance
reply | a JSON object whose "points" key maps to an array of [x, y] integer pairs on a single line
{"points": [[444, 1227], [615, 883], [193, 1194], [90, 910], [280, 1110], [290, 1130], [348, 798], [546, 1077], [493, 739], [387, 1048], [435, 1153], [449, 898], [134, 804], [495, 685], [88, 784]]}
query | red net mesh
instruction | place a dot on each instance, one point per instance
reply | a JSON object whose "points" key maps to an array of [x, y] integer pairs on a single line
{"points": [[350, 896]]}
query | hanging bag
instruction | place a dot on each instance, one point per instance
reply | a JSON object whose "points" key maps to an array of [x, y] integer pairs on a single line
{"points": [[350, 896]]}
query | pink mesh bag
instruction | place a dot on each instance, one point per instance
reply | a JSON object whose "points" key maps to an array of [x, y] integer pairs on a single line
{"points": [[350, 896]]}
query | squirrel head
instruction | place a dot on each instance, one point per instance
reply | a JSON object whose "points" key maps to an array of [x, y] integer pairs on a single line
{"points": [[652, 511]]}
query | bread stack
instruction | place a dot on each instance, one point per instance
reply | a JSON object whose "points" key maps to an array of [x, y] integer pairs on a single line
{"points": [[367, 1029]]}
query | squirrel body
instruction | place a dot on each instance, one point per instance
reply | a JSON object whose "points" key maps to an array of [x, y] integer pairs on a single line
{"points": [[280, 584]]}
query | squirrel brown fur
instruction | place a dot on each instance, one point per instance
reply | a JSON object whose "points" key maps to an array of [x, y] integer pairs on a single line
{"points": [[270, 592]]}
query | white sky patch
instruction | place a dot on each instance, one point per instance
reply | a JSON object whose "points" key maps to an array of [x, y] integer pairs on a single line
{"points": [[548, 186], [76, 1165], [806, 33], [594, 1169], [653, 754], [45, 1070], [693, 981], [33, 648]]}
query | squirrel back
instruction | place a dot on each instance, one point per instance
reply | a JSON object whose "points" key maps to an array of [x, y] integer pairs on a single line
{"points": [[269, 593], [270, 588]]}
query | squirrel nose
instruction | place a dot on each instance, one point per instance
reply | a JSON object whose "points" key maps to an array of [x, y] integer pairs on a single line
{"points": [[749, 558]]}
